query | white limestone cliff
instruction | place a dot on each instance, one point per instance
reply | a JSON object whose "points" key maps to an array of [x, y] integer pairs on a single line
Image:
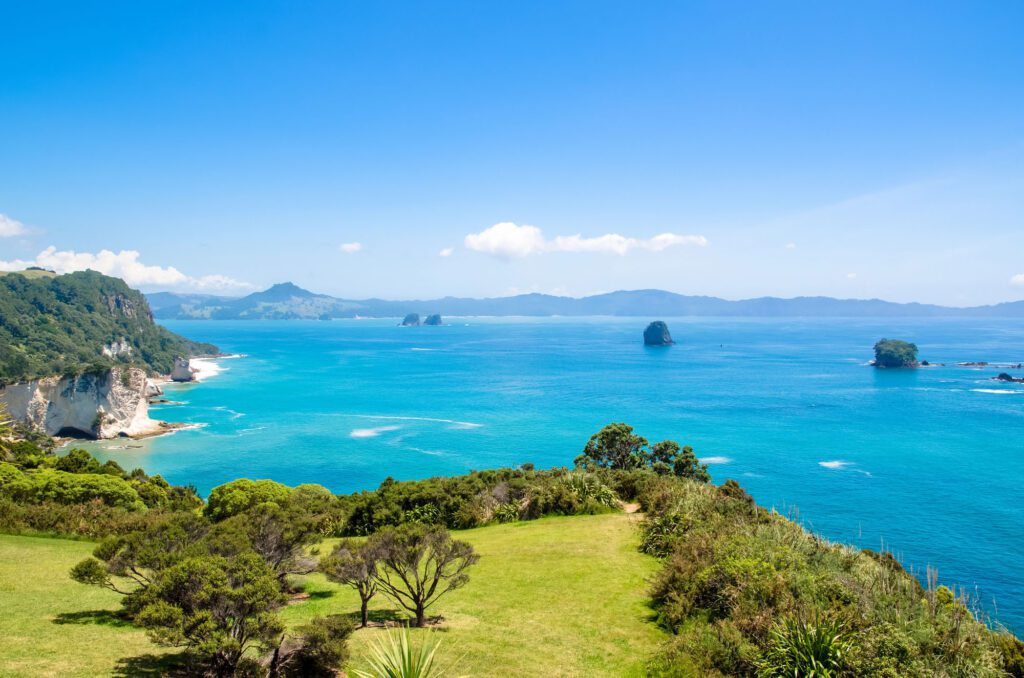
{"points": [[101, 405], [182, 370]]}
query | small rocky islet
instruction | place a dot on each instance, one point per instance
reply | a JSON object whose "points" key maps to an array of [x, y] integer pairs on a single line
{"points": [[657, 334]]}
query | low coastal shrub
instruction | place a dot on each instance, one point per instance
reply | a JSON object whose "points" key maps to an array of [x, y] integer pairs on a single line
{"points": [[739, 585]]}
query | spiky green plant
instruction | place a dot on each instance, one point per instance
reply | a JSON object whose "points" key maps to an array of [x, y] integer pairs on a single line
{"points": [[585, 486], [395, 655], [800, 649]]}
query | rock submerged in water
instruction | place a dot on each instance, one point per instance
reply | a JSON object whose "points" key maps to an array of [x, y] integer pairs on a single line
{"points": [[411, 320], [1005, 376], [434, 319], [657, 334]]}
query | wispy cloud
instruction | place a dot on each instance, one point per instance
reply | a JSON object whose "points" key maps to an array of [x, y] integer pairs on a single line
{"points": [[11, 227], [125, 265], [1017, 279], [446, 252], [790, 245], [507, 240], [350, 247]]}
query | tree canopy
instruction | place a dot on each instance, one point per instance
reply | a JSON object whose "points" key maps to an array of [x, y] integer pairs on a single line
{"points": [[60, 325], [895, 353]]}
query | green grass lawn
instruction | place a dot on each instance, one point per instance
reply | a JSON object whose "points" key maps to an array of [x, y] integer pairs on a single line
{"points": [[32, 274], [552, 597]]}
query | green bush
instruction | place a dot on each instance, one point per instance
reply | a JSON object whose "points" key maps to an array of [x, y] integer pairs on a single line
{"points": [[238, 496]]}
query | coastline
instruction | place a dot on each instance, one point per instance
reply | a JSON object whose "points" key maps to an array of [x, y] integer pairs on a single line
{"points": [[203, 368]]}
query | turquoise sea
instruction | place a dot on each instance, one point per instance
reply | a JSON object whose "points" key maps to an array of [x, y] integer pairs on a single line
{"points": [[926, 463]]}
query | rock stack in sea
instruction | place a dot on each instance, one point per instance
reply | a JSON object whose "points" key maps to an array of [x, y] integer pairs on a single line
{"points": [[182, 370], [434, 319], [411, 320], [657, 334]]}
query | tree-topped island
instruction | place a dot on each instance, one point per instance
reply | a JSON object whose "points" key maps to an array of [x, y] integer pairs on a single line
{"points": [[895, 353]]}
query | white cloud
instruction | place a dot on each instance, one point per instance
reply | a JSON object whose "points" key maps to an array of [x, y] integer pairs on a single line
{"points": [[125, 265], [350, 247], [507, 240], [11, 227], [1017, 279], [446, 252], [851, 276], [790, 245]]}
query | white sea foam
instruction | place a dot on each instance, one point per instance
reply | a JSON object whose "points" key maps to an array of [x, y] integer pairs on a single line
{"points": [[994, 390], [453, 422], [834, 464], [716, 460], [371, 432]]}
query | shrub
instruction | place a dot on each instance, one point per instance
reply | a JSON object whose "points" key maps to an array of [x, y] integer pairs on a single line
{"points": [[238, 496], [805, 650]]}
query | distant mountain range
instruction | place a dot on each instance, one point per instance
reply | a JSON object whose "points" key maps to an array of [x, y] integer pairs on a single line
{"points": [[286, 301]]}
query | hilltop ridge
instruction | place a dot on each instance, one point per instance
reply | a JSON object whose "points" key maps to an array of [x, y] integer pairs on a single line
{"points": [[289, 301]]}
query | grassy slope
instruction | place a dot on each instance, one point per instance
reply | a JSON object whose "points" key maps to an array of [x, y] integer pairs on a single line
{"points": [[32, 275], [51, 626], [553, 597]]}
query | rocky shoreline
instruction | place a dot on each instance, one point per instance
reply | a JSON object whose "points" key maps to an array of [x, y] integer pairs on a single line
{"points": [[103, 405]]}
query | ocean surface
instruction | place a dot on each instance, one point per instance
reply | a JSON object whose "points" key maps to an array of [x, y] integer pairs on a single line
{"points": [[927, 463]]}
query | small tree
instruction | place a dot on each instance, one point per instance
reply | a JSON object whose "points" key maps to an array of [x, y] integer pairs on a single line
{"points": [[216, 608], [616, 447], [418, 564], [279, 535], [354, 564], [684, 462]]}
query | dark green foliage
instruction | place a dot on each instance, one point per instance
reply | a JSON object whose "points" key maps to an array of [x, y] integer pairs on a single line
{"points": [[616, 447], [895, 353], [479, 498], [319, 649], [59, 326], [417, 564], [75, 494], [215, 608], [280, 534]]}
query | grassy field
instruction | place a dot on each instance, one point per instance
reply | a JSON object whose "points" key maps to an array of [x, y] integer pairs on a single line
{"points": [[552, 597], [32, 274]]}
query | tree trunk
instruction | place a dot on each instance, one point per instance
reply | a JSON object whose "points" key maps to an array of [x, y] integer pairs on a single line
{"points": [[366, 615], [421, 618]]}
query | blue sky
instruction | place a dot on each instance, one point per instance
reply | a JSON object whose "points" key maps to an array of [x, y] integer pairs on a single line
{"points": [[867, 149]]}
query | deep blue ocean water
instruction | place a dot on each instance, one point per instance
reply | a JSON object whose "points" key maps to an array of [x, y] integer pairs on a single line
{"points": [[926, 463]]}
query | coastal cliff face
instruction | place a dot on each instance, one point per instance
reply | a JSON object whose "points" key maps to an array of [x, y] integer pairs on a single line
{"points": [[100, 405]]}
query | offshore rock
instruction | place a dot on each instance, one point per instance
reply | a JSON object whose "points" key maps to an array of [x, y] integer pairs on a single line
{"points": [[434, 319], [411, 320], [657, 334], [182, 370]]}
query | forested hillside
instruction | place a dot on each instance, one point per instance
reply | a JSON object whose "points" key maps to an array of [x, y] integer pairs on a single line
{"points": [[69, 324]]}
